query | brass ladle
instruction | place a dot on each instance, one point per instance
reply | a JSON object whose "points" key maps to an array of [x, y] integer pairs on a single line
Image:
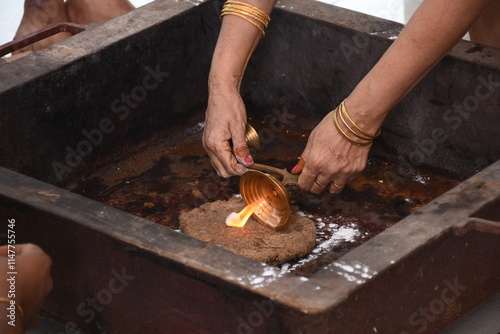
{"points": [[273, 209], [266, 185], [287, 178]]}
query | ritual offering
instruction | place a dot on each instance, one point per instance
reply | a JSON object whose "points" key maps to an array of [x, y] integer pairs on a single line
{"points": [[252, 239], [260, 225]]}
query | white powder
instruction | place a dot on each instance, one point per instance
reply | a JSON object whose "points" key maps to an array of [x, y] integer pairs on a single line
{"points": [[354, 272], [347, 233]]}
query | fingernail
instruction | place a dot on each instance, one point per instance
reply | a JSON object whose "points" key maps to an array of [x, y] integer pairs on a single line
{"points": [[248, 159], [294, 169]]}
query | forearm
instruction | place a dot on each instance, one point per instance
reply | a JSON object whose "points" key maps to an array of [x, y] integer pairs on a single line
{"points": [[235, 45], [432, 31]]}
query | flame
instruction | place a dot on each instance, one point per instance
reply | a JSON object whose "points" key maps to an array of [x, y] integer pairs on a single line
{"points": [[240, 219]]}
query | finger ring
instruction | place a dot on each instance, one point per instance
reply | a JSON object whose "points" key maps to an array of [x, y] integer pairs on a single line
{"points": [[337, 186], [319, 184]]}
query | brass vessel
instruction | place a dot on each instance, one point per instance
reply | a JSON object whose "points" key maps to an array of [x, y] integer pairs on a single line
{"points": [[252, 137], [274, 208], [267, 186]]}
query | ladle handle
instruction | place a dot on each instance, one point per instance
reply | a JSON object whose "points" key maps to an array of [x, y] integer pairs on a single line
{"points": [[285, 177], [267, 169]]}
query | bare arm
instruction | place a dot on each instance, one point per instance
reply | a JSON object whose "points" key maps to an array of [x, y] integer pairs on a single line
{"points": [[433, 30], [226, 114]]}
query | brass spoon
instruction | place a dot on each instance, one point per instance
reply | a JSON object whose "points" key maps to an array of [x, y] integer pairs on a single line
{"points": [[287, 178], [262, 185]]}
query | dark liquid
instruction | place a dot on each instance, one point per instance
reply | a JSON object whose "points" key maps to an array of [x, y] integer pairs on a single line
{"points": [[174, 174]]}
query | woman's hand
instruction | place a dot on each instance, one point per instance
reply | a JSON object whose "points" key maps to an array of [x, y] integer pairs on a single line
{"points": [[33, 281], [329, 161], [226, 117], [226, 120]]}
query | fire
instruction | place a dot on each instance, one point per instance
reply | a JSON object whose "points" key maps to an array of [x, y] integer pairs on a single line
{"points": [[240, 219]]}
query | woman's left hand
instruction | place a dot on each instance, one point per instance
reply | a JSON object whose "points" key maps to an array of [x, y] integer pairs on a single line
{"points": [[329, 160]]}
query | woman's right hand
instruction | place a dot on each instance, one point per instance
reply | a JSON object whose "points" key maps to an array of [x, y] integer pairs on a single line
{"points": [[226, 120]]}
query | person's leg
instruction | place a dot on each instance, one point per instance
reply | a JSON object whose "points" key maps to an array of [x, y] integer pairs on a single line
{"points": [[87, 11], [486, 29], [39, 14]]}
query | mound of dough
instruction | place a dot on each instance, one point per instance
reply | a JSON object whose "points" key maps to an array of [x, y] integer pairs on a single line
{"points": [[255, 241]]}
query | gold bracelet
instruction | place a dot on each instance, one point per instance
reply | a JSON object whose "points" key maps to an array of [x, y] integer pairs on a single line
{"points": [[248, 19], [255, 9], [247, 12], [256, 13], [350, 129], [16, 305], [252, 14], [342, 132], [344, 111], [243, 10]]}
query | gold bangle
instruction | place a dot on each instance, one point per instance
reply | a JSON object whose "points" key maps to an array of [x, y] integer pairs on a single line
{"points": [[342, 132], [344, 110], [350, 129], [16, 305], [248, 12], [255, 9], [259, 15], [243, 10], [248, 19]]}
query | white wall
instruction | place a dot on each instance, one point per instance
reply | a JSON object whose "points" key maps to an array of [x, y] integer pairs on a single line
{"points": [[11, 11], [388, 9]]}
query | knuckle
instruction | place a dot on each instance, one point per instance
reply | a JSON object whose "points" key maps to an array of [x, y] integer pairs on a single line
{"points": [[348, 170], [361, 167], [314, 161], [208, 143]]}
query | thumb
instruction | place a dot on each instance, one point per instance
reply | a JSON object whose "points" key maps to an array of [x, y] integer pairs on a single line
{"points": [[241, 150]]}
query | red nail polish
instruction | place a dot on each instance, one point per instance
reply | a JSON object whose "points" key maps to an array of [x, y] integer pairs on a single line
{"points": [[248, 159], [295, 168]]}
